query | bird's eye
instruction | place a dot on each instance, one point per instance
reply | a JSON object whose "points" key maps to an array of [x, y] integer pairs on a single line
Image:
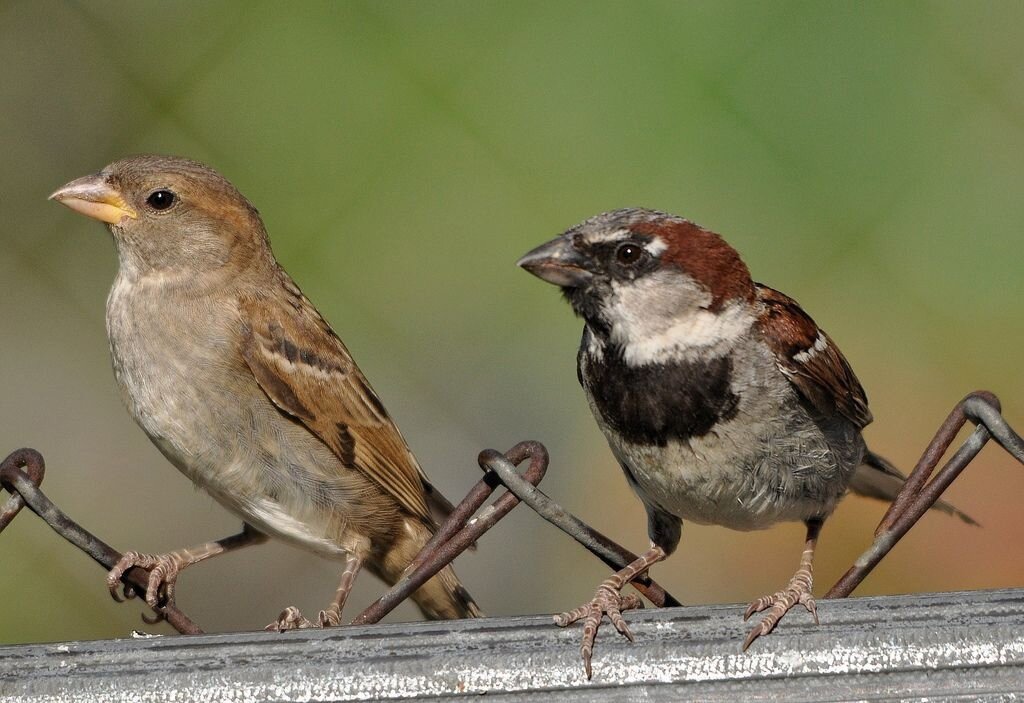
{"points": [[160, 199], [628, 254]]}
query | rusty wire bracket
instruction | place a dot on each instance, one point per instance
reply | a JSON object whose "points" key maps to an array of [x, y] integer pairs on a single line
{"points": [[459, 531], [22, 472], [918, 494]]}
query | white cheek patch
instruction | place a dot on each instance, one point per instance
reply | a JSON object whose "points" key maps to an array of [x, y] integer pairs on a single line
{"points": [[700, 332], [660, 318]]}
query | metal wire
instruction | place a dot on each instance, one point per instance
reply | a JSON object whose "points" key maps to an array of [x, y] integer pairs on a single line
{"points": [[918, 494], [22, 472]]}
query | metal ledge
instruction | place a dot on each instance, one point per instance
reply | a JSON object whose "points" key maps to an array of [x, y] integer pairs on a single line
{"points": [[941, 646]]}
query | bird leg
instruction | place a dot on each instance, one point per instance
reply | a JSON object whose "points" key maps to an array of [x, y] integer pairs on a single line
{"points": [[798, 590], [609, 601], [165, 568], [291, 618]]}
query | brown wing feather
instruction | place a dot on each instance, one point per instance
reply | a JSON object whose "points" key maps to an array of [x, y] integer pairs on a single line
{"points": [[305, 369], [810, 359]]}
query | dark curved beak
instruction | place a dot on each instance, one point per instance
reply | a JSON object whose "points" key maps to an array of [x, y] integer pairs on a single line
{"points": [[557, 262]]}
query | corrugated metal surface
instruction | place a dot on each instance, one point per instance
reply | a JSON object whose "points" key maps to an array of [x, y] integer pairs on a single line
{"points": [[944, 646]]}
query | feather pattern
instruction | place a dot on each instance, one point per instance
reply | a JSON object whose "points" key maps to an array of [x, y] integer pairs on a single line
{"points": [[326, 392], [810, 360]]}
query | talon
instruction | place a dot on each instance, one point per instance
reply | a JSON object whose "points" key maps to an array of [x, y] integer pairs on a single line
{"points": [[620, 624], [798, 591], [156, 617], [291, 618], [606, 601], [163, 575], [754, 607], [807, 600], [126, 561], [751, 636], [330, 617], [153, 587]]}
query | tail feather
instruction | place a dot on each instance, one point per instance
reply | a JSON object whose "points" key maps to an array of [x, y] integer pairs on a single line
{"points": [[443, 597], [876, 477]]}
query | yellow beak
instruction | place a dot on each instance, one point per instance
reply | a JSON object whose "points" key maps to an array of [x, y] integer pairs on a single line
{"points": [[93, 197]]}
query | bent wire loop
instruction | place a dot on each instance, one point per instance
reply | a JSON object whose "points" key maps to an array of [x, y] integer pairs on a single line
{"points": [[21, 473]]}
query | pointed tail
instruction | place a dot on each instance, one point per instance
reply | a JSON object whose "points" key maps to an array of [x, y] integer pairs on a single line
{"points": [[443, 597], [876, 477]]}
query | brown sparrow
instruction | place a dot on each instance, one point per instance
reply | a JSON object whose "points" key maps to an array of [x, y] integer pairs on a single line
{"points": [[722, 400], [238, 380]]}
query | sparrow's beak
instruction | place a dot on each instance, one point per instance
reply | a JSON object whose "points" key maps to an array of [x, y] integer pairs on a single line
{"points": [[93, 197], [557, 262]]}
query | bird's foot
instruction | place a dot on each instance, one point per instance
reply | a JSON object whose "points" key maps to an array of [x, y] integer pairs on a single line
{"points": [[607, 601], [291, 618], [798, 591], [163, 576]]}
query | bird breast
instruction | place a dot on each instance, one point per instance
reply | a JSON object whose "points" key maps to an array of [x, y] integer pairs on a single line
{"points": [[721, 441], [183, 381]]}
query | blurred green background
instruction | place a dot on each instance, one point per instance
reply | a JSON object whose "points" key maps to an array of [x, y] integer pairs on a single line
{"points": [[866, 158]]}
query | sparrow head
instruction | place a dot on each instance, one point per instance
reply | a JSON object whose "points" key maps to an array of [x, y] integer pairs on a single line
{"points": [[166, 212], [649, 282]]}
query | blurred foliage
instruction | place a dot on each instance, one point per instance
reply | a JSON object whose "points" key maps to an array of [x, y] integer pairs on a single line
{"points": [[866, 158]]}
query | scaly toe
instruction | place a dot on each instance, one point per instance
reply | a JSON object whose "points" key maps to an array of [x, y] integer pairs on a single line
{"points": [[778, 605], [163, 571], [569, 617], [808, 602], [761, 604], [606, 601], [331, 617], [291, 618]]}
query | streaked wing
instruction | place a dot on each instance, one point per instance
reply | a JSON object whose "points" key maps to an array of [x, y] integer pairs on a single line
{"points": [[810, 359], [305, 369]]}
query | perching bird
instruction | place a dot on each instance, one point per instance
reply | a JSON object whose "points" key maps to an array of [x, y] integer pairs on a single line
{"points": [[244, 387], [721, 399]]}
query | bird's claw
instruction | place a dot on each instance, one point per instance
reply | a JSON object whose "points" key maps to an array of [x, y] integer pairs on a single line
{"points": [[606, 601], [797, 592], [163, 577], [291, 618]]}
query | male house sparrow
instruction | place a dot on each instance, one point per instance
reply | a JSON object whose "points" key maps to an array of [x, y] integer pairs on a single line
{"points": [[244, 387], [721, 399]]}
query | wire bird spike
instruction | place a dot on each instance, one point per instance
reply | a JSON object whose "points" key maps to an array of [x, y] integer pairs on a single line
{"points": [[22, 472]]}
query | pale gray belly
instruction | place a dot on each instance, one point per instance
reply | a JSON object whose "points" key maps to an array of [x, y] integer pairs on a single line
{"points": [[748, 474], [185, 385]]}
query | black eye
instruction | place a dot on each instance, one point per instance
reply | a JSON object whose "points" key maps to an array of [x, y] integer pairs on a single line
{"points": [[160, 199], [628, 254]]}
